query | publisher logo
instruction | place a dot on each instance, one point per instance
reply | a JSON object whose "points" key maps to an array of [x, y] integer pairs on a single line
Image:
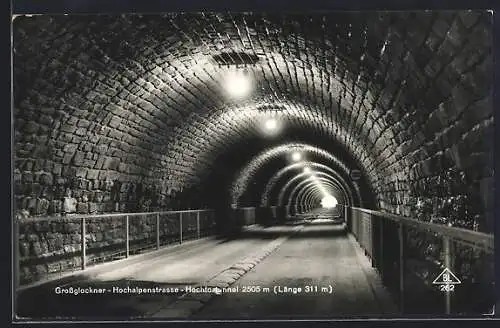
{"points": [[447, 281]]}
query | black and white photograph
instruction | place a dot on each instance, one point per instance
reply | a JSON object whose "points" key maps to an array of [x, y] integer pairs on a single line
{"points": [[212, 165]]}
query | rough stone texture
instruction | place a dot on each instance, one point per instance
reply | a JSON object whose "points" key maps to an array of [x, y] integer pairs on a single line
{"points": [[249, 173], [48, 247], [297, 183], [298, 168], [127, 110]]}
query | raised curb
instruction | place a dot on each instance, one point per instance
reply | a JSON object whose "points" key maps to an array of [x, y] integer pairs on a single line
{"points": [[190, 303]]}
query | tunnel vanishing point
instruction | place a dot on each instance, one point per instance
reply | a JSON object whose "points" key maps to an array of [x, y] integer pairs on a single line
{"points": [[255, 118]]}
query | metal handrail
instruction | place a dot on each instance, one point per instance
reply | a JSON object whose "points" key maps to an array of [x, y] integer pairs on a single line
{"points": [[483, 240], [128, 218], [84, 218], [104, 215], [447, 234]]}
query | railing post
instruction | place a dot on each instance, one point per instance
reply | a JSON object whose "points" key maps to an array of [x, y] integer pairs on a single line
{"points": [[157, 230], [127, 238], [345, 215], [180, 228], [198, 225], [354, 215], [447, 263], [401, 267], [84, 243], [381, 245], [17, 254]]}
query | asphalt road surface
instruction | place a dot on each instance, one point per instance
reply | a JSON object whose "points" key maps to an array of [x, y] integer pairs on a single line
{"points": [[318, 273], [321, 259]]}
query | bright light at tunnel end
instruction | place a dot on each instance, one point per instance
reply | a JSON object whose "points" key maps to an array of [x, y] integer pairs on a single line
{"points": [[237, 84], [329, 202], [296, 156]]}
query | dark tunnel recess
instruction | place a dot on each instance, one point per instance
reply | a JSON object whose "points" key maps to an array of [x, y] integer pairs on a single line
{"points": [[133, 112]]}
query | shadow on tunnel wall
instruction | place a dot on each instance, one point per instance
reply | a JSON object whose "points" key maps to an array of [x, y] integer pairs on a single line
{"points": [[216, 189]]}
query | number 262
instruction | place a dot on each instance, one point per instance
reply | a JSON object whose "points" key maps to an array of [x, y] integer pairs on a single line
{"points": [[447, 288]]}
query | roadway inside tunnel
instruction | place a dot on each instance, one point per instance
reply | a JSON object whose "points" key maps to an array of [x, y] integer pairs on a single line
{"points": [[316, 274], [318, 256], [255, 118]]}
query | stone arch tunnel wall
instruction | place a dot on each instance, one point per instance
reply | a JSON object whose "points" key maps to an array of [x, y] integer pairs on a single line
{"points": [[250, 183], [128, 113], [294, 169]]}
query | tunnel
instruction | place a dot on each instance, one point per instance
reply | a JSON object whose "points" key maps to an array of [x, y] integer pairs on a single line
{"points": [[160, 160]]}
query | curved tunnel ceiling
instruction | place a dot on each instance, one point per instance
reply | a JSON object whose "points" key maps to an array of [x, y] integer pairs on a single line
{"points": [[135, 102], [248, 174], [280, 194], [292, 168], [287, 191], [324, 184], [317, 191], [310, 196]]}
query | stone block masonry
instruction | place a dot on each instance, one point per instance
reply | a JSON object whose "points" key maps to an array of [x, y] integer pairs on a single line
{"points": [[93, 115], [127, 113], [54, 247]]}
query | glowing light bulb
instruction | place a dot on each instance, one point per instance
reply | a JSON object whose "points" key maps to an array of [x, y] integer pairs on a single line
{"points": [[307, 170], [296, 156], [238, 85], [271, 124]]}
